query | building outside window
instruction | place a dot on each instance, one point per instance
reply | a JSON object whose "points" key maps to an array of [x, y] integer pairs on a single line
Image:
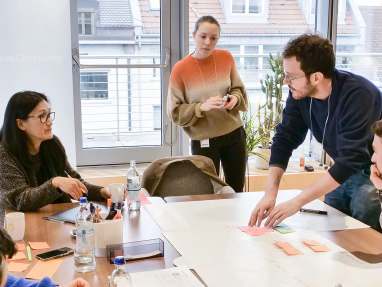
{"points": [[247, 6], [94, 85], [85, 23]]}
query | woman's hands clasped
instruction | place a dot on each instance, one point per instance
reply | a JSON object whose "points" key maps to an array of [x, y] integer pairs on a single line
{"points": [[218, 103]]}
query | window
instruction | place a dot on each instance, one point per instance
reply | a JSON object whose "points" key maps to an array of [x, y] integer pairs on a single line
{"points": [[154, 4], [247, 6], [85, 23], [94, 85]]}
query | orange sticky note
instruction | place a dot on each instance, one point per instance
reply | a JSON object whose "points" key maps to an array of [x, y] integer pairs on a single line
{"points": [[17, 267], [44, 269], [316, 246], [281, 244], [39, 245], [20, 246], [18, 256], [319, 248], [311, 242], [288, 248]]}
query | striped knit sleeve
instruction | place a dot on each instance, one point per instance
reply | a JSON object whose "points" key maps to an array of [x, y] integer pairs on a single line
{"points": [[179, 110]]}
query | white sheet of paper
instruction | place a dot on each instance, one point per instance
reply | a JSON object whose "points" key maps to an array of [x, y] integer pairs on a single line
{"points": [[206, 234], [236, 212], [171, 277]]}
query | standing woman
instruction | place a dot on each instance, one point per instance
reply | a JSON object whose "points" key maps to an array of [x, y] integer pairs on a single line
{"points": [[205, 97], [34, 170]]}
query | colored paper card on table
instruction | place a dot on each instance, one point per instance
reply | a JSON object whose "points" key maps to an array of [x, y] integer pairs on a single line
{"points": [[39, 245], [288, 248], [17, 267], [316, 246], [254, 230], [143, 198], [20, 246], [18, 256], [283, 228], [44, 269]]}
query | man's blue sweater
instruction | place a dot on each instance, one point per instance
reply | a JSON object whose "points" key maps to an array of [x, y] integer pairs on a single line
{"points": [[355, 104]]}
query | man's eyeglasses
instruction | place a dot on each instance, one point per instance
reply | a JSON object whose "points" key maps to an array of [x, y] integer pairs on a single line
{"points": [[44, 117], [290, 79]]}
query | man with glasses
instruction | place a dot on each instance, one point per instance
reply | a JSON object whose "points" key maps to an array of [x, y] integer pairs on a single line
{"points": [[338, 108]]}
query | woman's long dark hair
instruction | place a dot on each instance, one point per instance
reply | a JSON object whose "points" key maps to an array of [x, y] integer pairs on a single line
{"points": [[14, 140]]}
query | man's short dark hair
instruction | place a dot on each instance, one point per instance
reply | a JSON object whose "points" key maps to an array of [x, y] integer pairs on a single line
{"points": [[377, 128], [7, 249], [314, 53]]}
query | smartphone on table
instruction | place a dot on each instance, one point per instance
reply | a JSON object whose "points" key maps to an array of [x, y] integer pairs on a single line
{"points": [[60, 252]]}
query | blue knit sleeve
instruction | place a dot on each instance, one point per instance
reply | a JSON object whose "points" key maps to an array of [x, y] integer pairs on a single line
{"points": [[290, 133], [13, 281]]}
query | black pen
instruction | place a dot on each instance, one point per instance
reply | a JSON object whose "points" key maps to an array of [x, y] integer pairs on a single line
{"points": [[315, 211]]}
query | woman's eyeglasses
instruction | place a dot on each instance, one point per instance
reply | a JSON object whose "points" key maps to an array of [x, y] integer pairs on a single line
{"points": [[44, 117]]}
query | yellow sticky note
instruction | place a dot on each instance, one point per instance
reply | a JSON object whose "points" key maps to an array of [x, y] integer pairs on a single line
{"points": [[39, 245]]}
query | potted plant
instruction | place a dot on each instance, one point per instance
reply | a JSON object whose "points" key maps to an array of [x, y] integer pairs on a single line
{"points": [[268, 116]]}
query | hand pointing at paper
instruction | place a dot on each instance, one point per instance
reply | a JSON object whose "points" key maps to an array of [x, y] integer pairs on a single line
{"points": [[282, 211]]}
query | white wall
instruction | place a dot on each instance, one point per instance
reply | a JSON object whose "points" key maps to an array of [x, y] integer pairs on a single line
{"points": [[35, 54]]}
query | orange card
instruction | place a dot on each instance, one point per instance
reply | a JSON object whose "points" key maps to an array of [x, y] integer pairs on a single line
{"points": [[20, 246], [311, 242], [39, 245], [44, 269], [319, 248], [287, 248], [17, 267], [18, 256], [281, 244]]}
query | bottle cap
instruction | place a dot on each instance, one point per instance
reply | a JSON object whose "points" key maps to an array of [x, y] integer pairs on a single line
{"points": [[119, 260], [83, 199]]}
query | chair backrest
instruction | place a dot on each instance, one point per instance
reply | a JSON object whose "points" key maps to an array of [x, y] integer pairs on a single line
{"points": [[183, 178]]}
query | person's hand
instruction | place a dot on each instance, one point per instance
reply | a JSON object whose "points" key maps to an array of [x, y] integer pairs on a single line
{"points": [[375, 176], [282, 211], [71, 186], [78, 282], [105, 193], [229, 105], [212, 104], [262, 209]]}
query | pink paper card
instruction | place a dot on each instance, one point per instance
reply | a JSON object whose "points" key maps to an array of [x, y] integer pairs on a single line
{"points": [[18, 256], [44, 268], [254, 230], [17, 267], [20, 246]]}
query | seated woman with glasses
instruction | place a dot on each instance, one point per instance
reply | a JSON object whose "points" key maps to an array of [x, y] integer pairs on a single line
{"points": [[34, 170]]}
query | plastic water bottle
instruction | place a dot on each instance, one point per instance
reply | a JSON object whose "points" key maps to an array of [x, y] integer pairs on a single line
{"points": [[84, 259], [133, 187], [120, 277]]}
